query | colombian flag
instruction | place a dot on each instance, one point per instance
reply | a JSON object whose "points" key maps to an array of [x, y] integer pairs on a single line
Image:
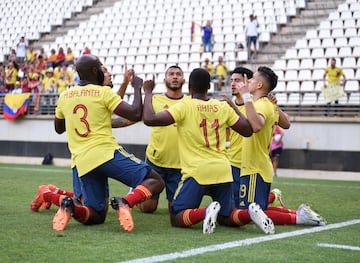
{"points": [[15, 105]]}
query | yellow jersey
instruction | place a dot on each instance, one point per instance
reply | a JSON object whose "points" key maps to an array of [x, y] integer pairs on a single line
{"points": [[87, 112], [201, 127], [334, 74], [255, 149], [163, 149], [234, 152]]}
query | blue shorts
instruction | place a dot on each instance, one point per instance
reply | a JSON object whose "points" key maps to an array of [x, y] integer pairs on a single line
{"points": [[76, 184], [251, 39], [124, 167], [236, 185], [190, 194], [171, 177], [254, 189]]}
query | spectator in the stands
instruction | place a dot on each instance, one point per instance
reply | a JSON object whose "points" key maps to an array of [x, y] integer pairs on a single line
{"points": [[86, 51], [11, 76], [62, 82], [2, 78], [208, 36], [208, 67], [220, 73], [12, 57], [17, 88], [251, 35], [25, 84], [69, 58], [60, 57], [49, 81], [31, 55], [21, 50], [40, 65], [43, 54], [52, 58]]}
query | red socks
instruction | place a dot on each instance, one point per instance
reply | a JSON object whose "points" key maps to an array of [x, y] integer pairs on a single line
{"points": [[240, 217], [281, 216], [193, 216], [138, 195]]}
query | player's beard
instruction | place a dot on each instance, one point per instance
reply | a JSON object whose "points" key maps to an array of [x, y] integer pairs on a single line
{"points": [[173, 88]]}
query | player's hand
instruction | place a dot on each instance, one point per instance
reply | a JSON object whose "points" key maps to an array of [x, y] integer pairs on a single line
{"points": [[243, 87], [136, 82], [149, 85], [272, 98], [128, 74], [225, 98]]}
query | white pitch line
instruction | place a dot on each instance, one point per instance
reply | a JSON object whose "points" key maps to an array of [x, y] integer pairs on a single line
{"points": [[338, 246], [240, 243]]}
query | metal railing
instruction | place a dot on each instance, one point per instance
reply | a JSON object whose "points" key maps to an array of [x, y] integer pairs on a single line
{"points": [[47, 105]]}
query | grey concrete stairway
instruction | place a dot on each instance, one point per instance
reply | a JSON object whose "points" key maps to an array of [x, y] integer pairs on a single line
{"points": [[77, 18], [306, 18]]}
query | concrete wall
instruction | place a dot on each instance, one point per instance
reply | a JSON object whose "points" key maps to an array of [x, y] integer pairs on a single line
{"points": [[317, 143]]}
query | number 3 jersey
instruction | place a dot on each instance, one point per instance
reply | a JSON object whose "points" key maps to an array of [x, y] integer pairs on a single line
{"points": [[201, 129], [87, 112]]}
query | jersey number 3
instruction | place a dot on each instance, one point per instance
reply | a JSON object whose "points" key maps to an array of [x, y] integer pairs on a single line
{"points": [[83, 108]]}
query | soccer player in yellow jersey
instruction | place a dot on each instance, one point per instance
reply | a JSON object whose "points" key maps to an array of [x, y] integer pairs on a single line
{"points": [[201, 125], [256, 167], [96, 156], [162, 152], [235, 139], [278, 213]]}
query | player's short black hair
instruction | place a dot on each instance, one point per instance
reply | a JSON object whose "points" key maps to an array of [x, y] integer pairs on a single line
{"points": [[174, 66], [243, 71], [199, 80], [270, 77]]}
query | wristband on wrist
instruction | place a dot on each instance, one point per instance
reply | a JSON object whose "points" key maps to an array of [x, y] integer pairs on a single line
{"points": [[227, 145], [247, 97]]}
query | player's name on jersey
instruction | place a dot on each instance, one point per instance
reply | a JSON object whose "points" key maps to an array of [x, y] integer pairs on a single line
{"points": [[207, 108], [82, 93]]}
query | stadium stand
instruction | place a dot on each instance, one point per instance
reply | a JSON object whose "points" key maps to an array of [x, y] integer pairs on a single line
{"points": [[151, 35]]}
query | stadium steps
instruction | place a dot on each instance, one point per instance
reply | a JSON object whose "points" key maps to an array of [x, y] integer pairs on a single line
{"points": [[97, 8], [305, 19]]}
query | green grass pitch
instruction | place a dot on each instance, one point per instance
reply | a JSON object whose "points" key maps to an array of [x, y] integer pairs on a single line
{"points": [[28, 237]]}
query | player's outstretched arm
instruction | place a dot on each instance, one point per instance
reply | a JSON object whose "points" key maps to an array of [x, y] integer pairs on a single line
{"points": [[284, 120], [132, 112], [128, 74], [121, 122], [151, 118]]}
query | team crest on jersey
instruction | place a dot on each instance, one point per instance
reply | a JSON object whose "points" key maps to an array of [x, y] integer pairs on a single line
{"points": [[166, 106]]}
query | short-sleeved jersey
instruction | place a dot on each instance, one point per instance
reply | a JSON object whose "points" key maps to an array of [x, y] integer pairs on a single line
{"points": [[255, 151], [163, 147], [234, 153], [333, 74], [87, 112], [201, 131]]}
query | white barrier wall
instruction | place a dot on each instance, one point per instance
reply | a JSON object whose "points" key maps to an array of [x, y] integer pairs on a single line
{"points": [[336, 135]]}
